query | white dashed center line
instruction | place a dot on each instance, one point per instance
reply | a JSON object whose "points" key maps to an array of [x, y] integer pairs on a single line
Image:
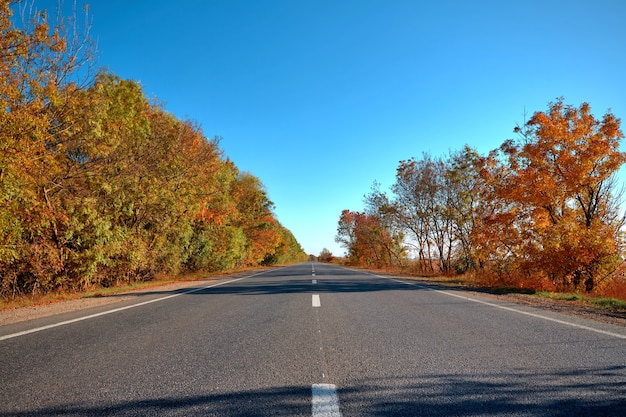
{"points": [[325, 401], [316, 300]]}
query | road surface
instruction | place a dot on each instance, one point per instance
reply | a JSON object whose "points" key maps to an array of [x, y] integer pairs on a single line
{"points": [[312, 339]]}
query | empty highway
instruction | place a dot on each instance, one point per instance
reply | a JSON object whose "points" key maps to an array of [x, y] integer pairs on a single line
{"points": [[312, 339]]}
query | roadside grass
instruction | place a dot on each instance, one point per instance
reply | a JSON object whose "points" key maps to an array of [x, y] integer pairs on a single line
{"points": [[612, 303], [605, 302], [471, 282], [601, 299], [32, 300], [560, 296]]}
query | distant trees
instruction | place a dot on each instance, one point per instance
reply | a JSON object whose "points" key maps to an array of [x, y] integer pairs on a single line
{"points": [[325, 256], [545, 206], [368, 240], [98, 185]]}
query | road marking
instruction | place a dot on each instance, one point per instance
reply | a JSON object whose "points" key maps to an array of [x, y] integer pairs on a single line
{"points": [[314, 281], [325, 401], [313, 274], [515, 310], [115, 310], [316, 300]]}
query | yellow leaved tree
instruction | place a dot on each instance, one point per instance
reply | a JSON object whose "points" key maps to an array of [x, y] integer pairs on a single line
{"points": [[554, 204]]}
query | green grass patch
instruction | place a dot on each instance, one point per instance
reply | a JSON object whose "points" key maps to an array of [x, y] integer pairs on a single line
{"points": [[605, 302], [560, 296], [612, 303]]}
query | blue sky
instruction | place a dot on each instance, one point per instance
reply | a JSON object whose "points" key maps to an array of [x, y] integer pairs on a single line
{"points": [[321, 98]]}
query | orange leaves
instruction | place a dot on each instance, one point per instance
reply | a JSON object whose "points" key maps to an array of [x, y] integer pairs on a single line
{"points": [[577, 147], [367, 240], [558, 179], [98, 185]]}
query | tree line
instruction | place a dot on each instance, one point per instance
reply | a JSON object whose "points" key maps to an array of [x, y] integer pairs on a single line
{"points": [[99, 185], [542, 209]]}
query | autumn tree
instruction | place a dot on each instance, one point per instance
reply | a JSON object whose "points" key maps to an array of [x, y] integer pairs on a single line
{"points": [[378, 206], [423, 200], [38, 83], [557, 195], [288, 249], [325, 255], [255, 218], [411, 201], [351, 234], [544, 207], [365, 238], [98, 185], [217, 242], [463, 184]]}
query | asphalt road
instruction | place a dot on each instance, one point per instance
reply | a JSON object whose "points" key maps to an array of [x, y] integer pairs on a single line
{"points": [[312, 339]]}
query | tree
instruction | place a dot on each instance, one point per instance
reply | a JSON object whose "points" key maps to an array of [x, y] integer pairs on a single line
{"points": [[98, 185], [463, 182], [288, 249], [557, 194], [391, 237], [423, 202], [325, 256], [39, 83], [365, 238], [255, 218]]}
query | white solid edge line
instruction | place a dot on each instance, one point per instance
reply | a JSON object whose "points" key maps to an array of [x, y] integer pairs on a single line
{"points": [[527, 313], [115, 310], [315, 299], [325, 402]]}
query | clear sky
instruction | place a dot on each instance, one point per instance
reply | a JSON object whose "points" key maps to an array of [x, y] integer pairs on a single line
{"points": [[320, 98]]}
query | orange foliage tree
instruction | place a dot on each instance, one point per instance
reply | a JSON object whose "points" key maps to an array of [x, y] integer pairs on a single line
{"points": [[98, 185], [367, 240], [553, 199], [255, 218], [38, 86], [543, 209]]}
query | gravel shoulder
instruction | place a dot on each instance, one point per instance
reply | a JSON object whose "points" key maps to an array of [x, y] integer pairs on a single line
{"points": [[21, 314], [601, 314], [573, 308]]}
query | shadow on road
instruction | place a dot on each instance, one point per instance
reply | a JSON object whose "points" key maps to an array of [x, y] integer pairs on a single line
{"points": [[584, 392], [284, 286], [257, 286], [283, 282], [287, 401], [590, 392]]}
